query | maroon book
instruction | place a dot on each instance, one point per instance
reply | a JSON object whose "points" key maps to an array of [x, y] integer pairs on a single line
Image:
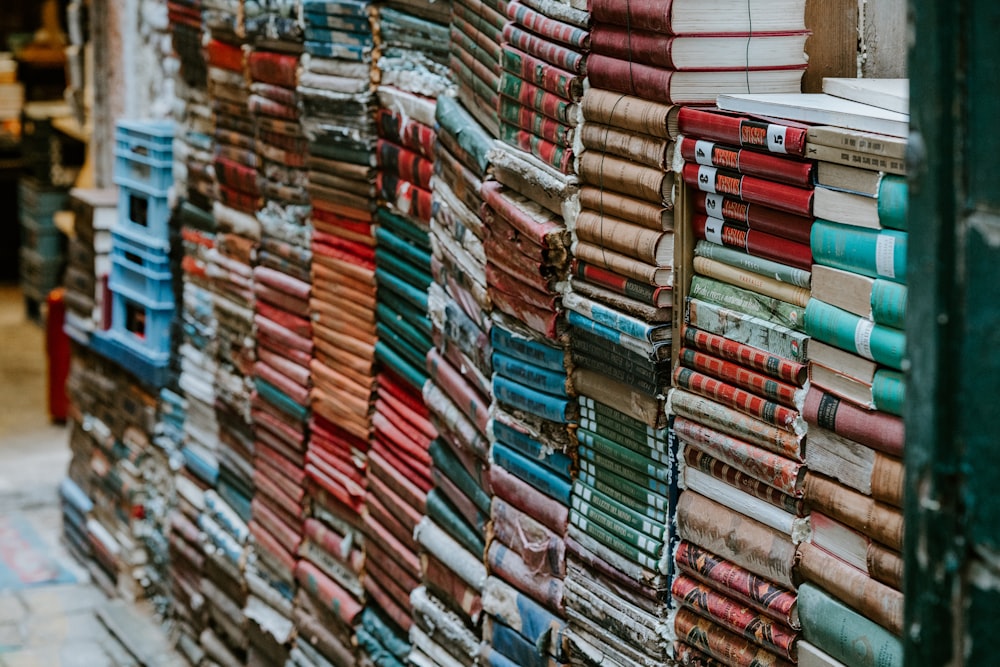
{"points": [[754, 216], [752, 189], [759, 244], [743, 131], [749, 162]]}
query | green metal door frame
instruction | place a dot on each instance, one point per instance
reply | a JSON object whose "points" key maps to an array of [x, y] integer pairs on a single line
{"points": [[952, 544]]}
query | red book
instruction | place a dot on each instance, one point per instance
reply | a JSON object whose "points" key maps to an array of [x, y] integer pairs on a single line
{"points": [[658, 297], [878, 430], [679, 17], [754, 216], [743, 131], [759, 244], [225, 56], [751, 163], [752, 189]]}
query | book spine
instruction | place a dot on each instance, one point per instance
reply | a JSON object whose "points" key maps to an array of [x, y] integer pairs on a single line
{"points": [[745, 132], [538, 477], [722, 644], [699, 460], [527, 498], [861, 512], [760, 244], [623, 176], [564, 33], [641, 407], [750, 624], [738, 582], [859, 335], [772, 469], [653, 561], [754, 216], [620, 512], [751, 163], [539, 73], [623, 434], [752, 189], [531, 401], [553, 155], [515, 609], [529, 539], [748, 330], [621, 236], [643, 149], [629, 78], [639, 347], [745, 355], [652, 462], [738, 399], [628, 113], [527, 350], [556, 461], [877, 254], [552, 53], [734, 423], [621, 489], [609, 317], [845, 634], [609, 464], [537, 98], [747, 301], [633, 46], [616, 283], [889, 391], [550, 382], [535, 123], [588, 513], [639, 378], [889, 303], [785, 394], [877, 430]]}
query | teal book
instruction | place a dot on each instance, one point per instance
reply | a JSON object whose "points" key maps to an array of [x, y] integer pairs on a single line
{"points": [[404, 327], [532, 401], [528, 350], [406, 229], [551, 382], [889, 391], [532, 473], [845, 634], [856, 334], [889, 303], [415, 297], [893, 195], [406, 370], [877, 254], [450, 465], [389, 262], [441, 511], [417, 255], [630, 343], [754, 331], [473, 139], [557, 462], [616, 320]]}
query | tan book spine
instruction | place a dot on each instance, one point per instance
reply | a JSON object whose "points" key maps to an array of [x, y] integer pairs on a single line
{"points": [[732, 275], [876, 520], [620, 396], [885, 565], [653, 216], [640, 148], [646, 183], [630, 113], [736, 538], [888, 480], [623, 237], [622, 264], [875, 600], [846, 156]]}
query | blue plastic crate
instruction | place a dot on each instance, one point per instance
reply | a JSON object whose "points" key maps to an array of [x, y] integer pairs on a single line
{"points": [[138, 270], [141, 325], [144, 213], [150, 371], [136, 170], [154, 138], [45, 239]]}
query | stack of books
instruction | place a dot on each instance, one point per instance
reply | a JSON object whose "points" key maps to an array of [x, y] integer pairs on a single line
{"points": [[283, 326], [335, 88], [458, 396], [186, 33], [737, 402], [412, 73], [88, 261], [476, 55]]}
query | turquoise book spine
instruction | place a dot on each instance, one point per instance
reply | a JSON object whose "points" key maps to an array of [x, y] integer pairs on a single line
{"points": [[877, 254], [892, 197], [856, 334], [889, 303], [845, 634], [889, 391]]}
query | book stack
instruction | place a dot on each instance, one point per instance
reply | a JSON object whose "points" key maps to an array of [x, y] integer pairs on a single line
{"points": [[531, 476], [854, 488], [476, 54], [452, 537], [186, 33], [281, 283], [412, 70], [88, 262], [737, 403], [335, 87]]}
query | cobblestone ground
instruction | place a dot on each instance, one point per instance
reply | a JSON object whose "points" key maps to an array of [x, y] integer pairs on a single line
{"points": [[63, 625]]}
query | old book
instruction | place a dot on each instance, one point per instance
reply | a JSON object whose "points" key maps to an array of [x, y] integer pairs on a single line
{"points": [[754, 216], [740, 376], [738, 500], [776, 293], [885, 391], [652, 216], [623, 265], [856, 334], [633, 114], [880, 300], [877, 430], [750, 162], [753, 189], [874, 600], [856, 549], [877, 520], [855, 465], [657, 297], [649, 184], [698, 460], [886, 209], [721, 644], [869, 143], [751, 241], [646, 245], [847, 157], [733, 129], [721, 346], [641, 148], [689, 17], [641, 407], [763, 334], [629, 326], [888, 94], [844, 633], [699, 52], [820, 109]]}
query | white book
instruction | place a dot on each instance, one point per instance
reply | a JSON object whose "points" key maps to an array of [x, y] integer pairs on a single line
{"points": [[820, 109], [888, 94]]}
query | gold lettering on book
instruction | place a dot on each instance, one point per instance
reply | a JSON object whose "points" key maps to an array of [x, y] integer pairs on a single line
{"points": [[725, 157], [752, 134]]}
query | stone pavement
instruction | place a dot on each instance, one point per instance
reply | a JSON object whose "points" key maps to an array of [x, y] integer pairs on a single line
{"points": [[63, 625]]}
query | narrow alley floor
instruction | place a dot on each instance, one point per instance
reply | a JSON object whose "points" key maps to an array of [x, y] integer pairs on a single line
{"points": [[51, 614]]}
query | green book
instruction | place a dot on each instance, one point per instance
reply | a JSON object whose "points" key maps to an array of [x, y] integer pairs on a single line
{"points": [[458, 123], [408, 230], [440, 510], [653, 461], [747, 329], [845, 634], [889, 303], [893, 195], [856, 334], [758, 265], [624, 491], [450, 465], [748, 301], [877, 254], [656, 529], [889, 391], [657, 562]]}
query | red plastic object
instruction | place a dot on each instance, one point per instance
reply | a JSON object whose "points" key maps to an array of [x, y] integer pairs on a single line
{"points": [[57, 348]]}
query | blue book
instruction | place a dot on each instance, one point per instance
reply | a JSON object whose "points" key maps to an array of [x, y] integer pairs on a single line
{"points": [[405, 328], [205, 470], [419, 256], [400, 366], [414, 296], [380, 628], [533, 622], [406, 229], [379, 655], [407, 311], [557, 462], [355, 24], [530, 472], [75, 497], [534, 402], [342, 37], [358, 8], [451, 465], [617, 320], [551, 382], [531, 351], [641, 347], [338, 51], [404, 358], [512, 645]]}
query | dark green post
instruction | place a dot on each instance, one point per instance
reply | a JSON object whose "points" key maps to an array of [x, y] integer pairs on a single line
{"points": [[952, 546]]}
